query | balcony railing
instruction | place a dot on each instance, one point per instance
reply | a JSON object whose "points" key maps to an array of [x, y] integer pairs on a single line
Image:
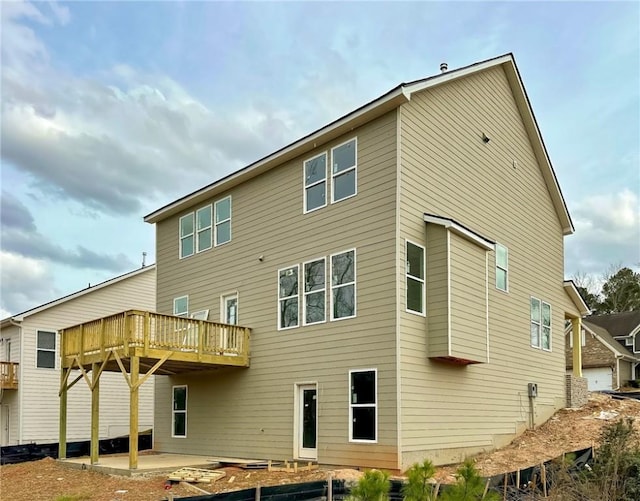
{"points": [[9, 375], [152, 335]]}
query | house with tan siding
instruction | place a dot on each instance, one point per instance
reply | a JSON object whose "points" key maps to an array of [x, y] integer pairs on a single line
{"points": [[386, 289], [30, 365]]}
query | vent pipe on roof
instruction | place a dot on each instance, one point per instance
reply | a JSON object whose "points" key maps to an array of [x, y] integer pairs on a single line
{"points": [[443, 67]]}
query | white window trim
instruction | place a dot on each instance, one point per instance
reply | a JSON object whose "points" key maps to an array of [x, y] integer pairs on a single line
{"points": [[305, 293], [297, 296], [223, 305], [173, 412], [355, 286], [182, 314], [354, 168], [540, 324], [55, 349], [216, 223], [422, 313], [192, 234], [506, 269], [198, 231], [351, 406], [305, 186], [583, 337]]}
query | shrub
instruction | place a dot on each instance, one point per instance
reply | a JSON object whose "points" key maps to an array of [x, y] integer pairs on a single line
{"points": [[419, 485], [468, 487], [373, 486]]}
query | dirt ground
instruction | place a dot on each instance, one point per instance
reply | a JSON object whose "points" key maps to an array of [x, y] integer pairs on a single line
{"points": [[48, 479]]}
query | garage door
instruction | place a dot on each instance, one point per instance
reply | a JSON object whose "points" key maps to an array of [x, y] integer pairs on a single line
{"points": [[599, 379]]}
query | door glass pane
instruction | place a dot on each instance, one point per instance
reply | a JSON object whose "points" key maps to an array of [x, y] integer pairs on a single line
{"points": [[231, 316], [179, 399], [309, 419]]}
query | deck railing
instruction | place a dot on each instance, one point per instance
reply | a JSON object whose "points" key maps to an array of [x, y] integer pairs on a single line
{"points": [[9, 375], [145, 331]]}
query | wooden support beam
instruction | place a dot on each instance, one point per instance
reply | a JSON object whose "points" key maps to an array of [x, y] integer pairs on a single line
{"points": [[154, 368], [134, 367], [95, 414], [78, 378], [85, 375], [122, 369], [62, 428]]}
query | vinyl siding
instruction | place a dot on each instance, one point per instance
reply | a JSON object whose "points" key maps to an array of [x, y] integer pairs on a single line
{"points": [[250, 412], [10, 338], [39, 387], [497, 190]]}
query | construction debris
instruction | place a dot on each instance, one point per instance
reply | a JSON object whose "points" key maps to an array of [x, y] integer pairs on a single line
{"points": [[196, 475], [291, 467]]}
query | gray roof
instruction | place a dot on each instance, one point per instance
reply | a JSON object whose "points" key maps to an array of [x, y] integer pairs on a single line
{"points": [[617, 324]]}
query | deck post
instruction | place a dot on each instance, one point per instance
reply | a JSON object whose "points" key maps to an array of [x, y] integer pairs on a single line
{"points": [[62, 430], [95, 413], [134, 372]]}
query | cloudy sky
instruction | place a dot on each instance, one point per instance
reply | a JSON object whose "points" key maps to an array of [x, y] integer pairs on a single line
{"points": [[111, 110]]}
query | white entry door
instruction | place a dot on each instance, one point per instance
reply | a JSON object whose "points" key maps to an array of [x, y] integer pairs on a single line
{"points": [[307, 420], [4, 425]]}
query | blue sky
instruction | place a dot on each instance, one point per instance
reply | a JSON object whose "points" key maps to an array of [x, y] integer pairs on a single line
{"points": [[110, 110]]}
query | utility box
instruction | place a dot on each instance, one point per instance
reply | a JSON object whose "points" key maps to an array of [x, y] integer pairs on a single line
{"points": [[532, 390]]}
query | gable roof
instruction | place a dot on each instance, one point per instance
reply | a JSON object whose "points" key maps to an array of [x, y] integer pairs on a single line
{"points": [[21, 316], [618, 324], [607, 339], [390, 100], [574, 294]]}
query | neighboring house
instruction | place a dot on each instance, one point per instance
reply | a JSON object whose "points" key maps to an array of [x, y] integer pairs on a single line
{"points": [[30, 363], [606, 363], [401, 274]]}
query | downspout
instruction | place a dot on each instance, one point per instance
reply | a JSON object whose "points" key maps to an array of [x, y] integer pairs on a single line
{"points": [[20, 381]]}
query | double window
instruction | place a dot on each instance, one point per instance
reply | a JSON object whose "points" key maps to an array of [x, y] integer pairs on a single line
{"points": [[363, 406], [179, 412], [415, 278], [46, 350], [206, 227], [502, 268], [343, 162], [342, 290], [540, 324]]}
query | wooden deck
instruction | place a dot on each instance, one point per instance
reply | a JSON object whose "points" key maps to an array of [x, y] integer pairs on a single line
{"points": [[8, 375], [170, 344]]}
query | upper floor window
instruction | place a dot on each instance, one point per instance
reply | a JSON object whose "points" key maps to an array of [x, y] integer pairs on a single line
{"points": [[315, 182], [46, 350], [203, 225], [343, 285], [502, 268], [223, 220], [343, 170], [288, 297], [540, 324], [181, 306], [230, 309], [314, 291], [187, 239], [363, 405], [415, 278]]}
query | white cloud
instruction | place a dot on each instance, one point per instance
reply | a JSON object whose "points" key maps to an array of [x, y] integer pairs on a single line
{"points": [[607, 232], [24, 283]]}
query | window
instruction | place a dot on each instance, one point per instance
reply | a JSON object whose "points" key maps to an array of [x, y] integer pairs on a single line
{"points": [[186, 236], [230, 309], [540, 324], [314, 292], [315, 182], [288, 297], [181, 306], [46, 350], [636, 341], [363, 406], [223, 221], [583, 338], [415, 278], [343, 170], [343, 285], [179, 412], [203, 225], [502, 267]]}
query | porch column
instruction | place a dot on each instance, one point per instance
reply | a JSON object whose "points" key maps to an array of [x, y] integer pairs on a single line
{"points": [[576, 334], [95, 413], [134, 372], [62, 430]]}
